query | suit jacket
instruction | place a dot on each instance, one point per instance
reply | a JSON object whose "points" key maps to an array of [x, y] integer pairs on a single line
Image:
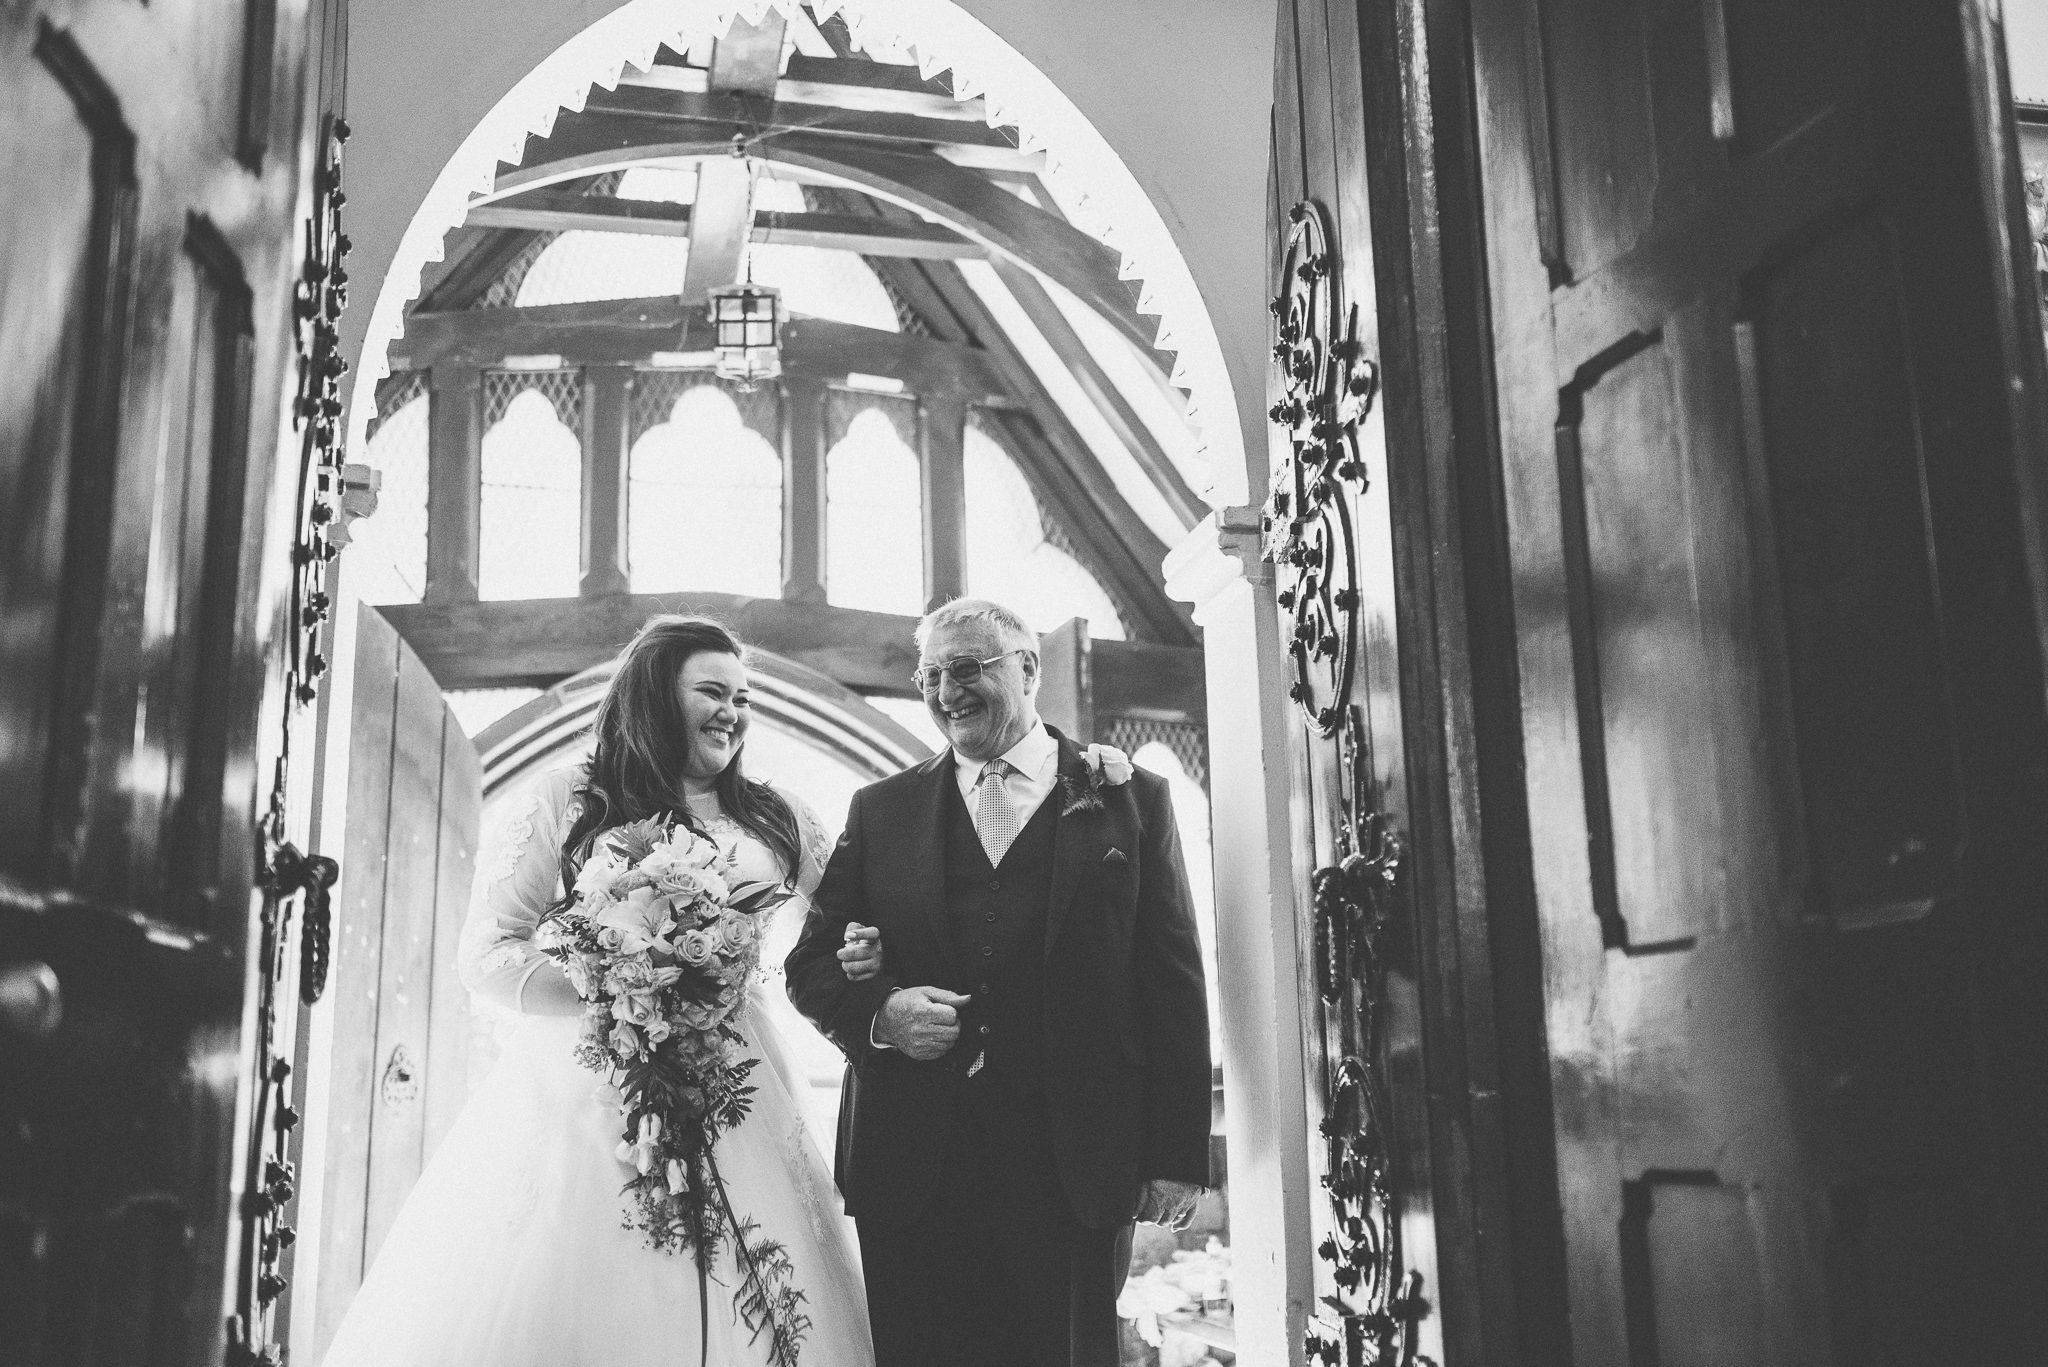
{"points": [[1125, 1028]]}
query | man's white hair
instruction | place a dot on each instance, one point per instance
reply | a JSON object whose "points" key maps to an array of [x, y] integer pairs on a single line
{"points": [[1006, 624]]}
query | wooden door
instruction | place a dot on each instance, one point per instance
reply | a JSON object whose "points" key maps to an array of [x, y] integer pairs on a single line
{"points": [[400, 1028], [1781, 696], [154, 163]]}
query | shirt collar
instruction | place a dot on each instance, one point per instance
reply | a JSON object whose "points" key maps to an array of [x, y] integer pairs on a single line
{"points": [[1028, 756]]}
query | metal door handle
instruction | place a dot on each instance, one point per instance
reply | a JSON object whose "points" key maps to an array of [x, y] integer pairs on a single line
{"points": [[31, 999]]}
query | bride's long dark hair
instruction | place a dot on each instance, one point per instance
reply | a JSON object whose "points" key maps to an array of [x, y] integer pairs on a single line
{"points": [[643, 741]]}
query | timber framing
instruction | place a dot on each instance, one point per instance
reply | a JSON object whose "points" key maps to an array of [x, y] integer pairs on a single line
{"points": [[875, 86], [1063, 471], [618, 331], [553, 211], [958, 196], [535, 643], [1102, 392], [725, 114], [897, 171]]}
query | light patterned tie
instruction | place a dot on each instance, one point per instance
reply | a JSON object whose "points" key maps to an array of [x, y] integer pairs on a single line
{"points": [[995, 814]]}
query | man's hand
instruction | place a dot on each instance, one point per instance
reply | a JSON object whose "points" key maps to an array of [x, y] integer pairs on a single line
{"points": [[1163, 1201], [860, 958], [922, 1022]]}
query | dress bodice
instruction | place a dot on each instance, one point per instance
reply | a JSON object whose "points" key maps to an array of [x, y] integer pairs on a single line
{"points": [[519, 876]]}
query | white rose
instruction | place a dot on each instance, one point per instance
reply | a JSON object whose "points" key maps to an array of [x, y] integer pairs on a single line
{"points": [[1113, 764]]}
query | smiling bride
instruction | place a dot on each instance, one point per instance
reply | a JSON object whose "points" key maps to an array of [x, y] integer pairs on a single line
{"points": [[527, 1241]]}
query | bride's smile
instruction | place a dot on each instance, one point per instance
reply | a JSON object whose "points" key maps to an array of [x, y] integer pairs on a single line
{"points": [[712, 691]]}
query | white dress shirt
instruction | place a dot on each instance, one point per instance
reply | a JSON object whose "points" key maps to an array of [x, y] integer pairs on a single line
{"points": [[1036, 759]]}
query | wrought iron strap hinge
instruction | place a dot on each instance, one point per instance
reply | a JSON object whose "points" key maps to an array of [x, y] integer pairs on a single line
{"points": [[329, 495], [1328, 387], [1309, 533]]}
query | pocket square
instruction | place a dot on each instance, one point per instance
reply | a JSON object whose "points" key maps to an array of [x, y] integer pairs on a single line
{"points": [[1115, 856]]}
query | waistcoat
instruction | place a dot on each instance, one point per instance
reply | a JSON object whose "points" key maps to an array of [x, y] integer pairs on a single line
{"points": [[998, 917]]}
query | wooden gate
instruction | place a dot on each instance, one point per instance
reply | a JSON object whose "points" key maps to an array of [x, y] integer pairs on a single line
{"points": [[401, 1021]]}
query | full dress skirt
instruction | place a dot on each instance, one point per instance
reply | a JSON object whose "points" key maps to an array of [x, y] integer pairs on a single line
{"points": [[512, 1249]]}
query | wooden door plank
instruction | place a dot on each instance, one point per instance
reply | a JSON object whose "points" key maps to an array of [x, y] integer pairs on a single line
{"points": [[460, 815], [356, 972], [405, 979]]}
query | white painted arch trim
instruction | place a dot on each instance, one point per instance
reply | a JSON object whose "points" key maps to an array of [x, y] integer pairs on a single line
{"points": [[1105, 198]]}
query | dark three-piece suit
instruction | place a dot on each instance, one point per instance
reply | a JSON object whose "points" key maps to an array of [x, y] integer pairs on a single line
{"points": [[994, 1187]]}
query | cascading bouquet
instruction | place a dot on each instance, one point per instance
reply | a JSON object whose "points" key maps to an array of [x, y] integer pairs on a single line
{"points": [[659, 944]]}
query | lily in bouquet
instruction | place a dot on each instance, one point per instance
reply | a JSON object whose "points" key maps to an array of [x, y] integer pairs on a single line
{"points": [[660, 944]]}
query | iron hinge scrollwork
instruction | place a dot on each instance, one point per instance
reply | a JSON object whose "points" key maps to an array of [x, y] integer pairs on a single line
{"points": [[329, 496], [1327, 388]]}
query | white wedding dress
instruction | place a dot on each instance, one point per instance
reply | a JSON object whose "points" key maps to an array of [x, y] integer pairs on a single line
{"points": [[511, 1251]]}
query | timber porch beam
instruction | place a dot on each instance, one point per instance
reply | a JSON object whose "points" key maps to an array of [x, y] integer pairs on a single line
{"points": [[618, 331], [724, 115], [553, 211], [957, 196], [537, 642], [834, 81]]}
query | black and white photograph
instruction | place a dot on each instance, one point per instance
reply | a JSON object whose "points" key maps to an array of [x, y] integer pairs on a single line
{"points": [[1023, 683]]}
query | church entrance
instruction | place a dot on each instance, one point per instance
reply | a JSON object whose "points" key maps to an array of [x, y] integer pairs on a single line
{"points": [[959, 396]]}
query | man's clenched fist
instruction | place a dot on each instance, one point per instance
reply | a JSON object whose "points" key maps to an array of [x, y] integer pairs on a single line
{"points": [[922, 1022]]}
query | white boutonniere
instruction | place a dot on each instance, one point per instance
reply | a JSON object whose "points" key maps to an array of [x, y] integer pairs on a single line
{"points": [[1111, 763], [1108, 767]]}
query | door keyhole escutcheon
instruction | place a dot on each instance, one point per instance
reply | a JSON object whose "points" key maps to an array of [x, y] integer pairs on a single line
{"points": [[401, 1078]]}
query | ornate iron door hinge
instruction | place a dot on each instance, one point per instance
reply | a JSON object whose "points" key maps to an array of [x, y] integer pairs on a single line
{"points": [[1328, 386], [326, 500]]}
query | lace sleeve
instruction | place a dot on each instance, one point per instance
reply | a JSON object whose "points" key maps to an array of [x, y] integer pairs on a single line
{"points": [[817, 843], [517, 876]]}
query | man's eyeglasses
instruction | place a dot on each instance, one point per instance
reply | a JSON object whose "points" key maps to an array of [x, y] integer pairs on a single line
{"points": [[963, 671]]}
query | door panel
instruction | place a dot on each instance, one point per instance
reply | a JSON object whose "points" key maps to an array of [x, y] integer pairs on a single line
{"points": [[1751, 429], [63, 296], [1869, 680]]}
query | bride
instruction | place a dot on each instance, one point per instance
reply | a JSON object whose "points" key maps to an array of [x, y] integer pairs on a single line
{"points": [[512, 1250]]}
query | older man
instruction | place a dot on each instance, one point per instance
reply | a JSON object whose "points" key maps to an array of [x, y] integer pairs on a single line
{"points": [[1030, 1071]]}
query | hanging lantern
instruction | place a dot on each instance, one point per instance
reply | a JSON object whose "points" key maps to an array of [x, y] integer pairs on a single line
{"points": [[746, 324]]}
